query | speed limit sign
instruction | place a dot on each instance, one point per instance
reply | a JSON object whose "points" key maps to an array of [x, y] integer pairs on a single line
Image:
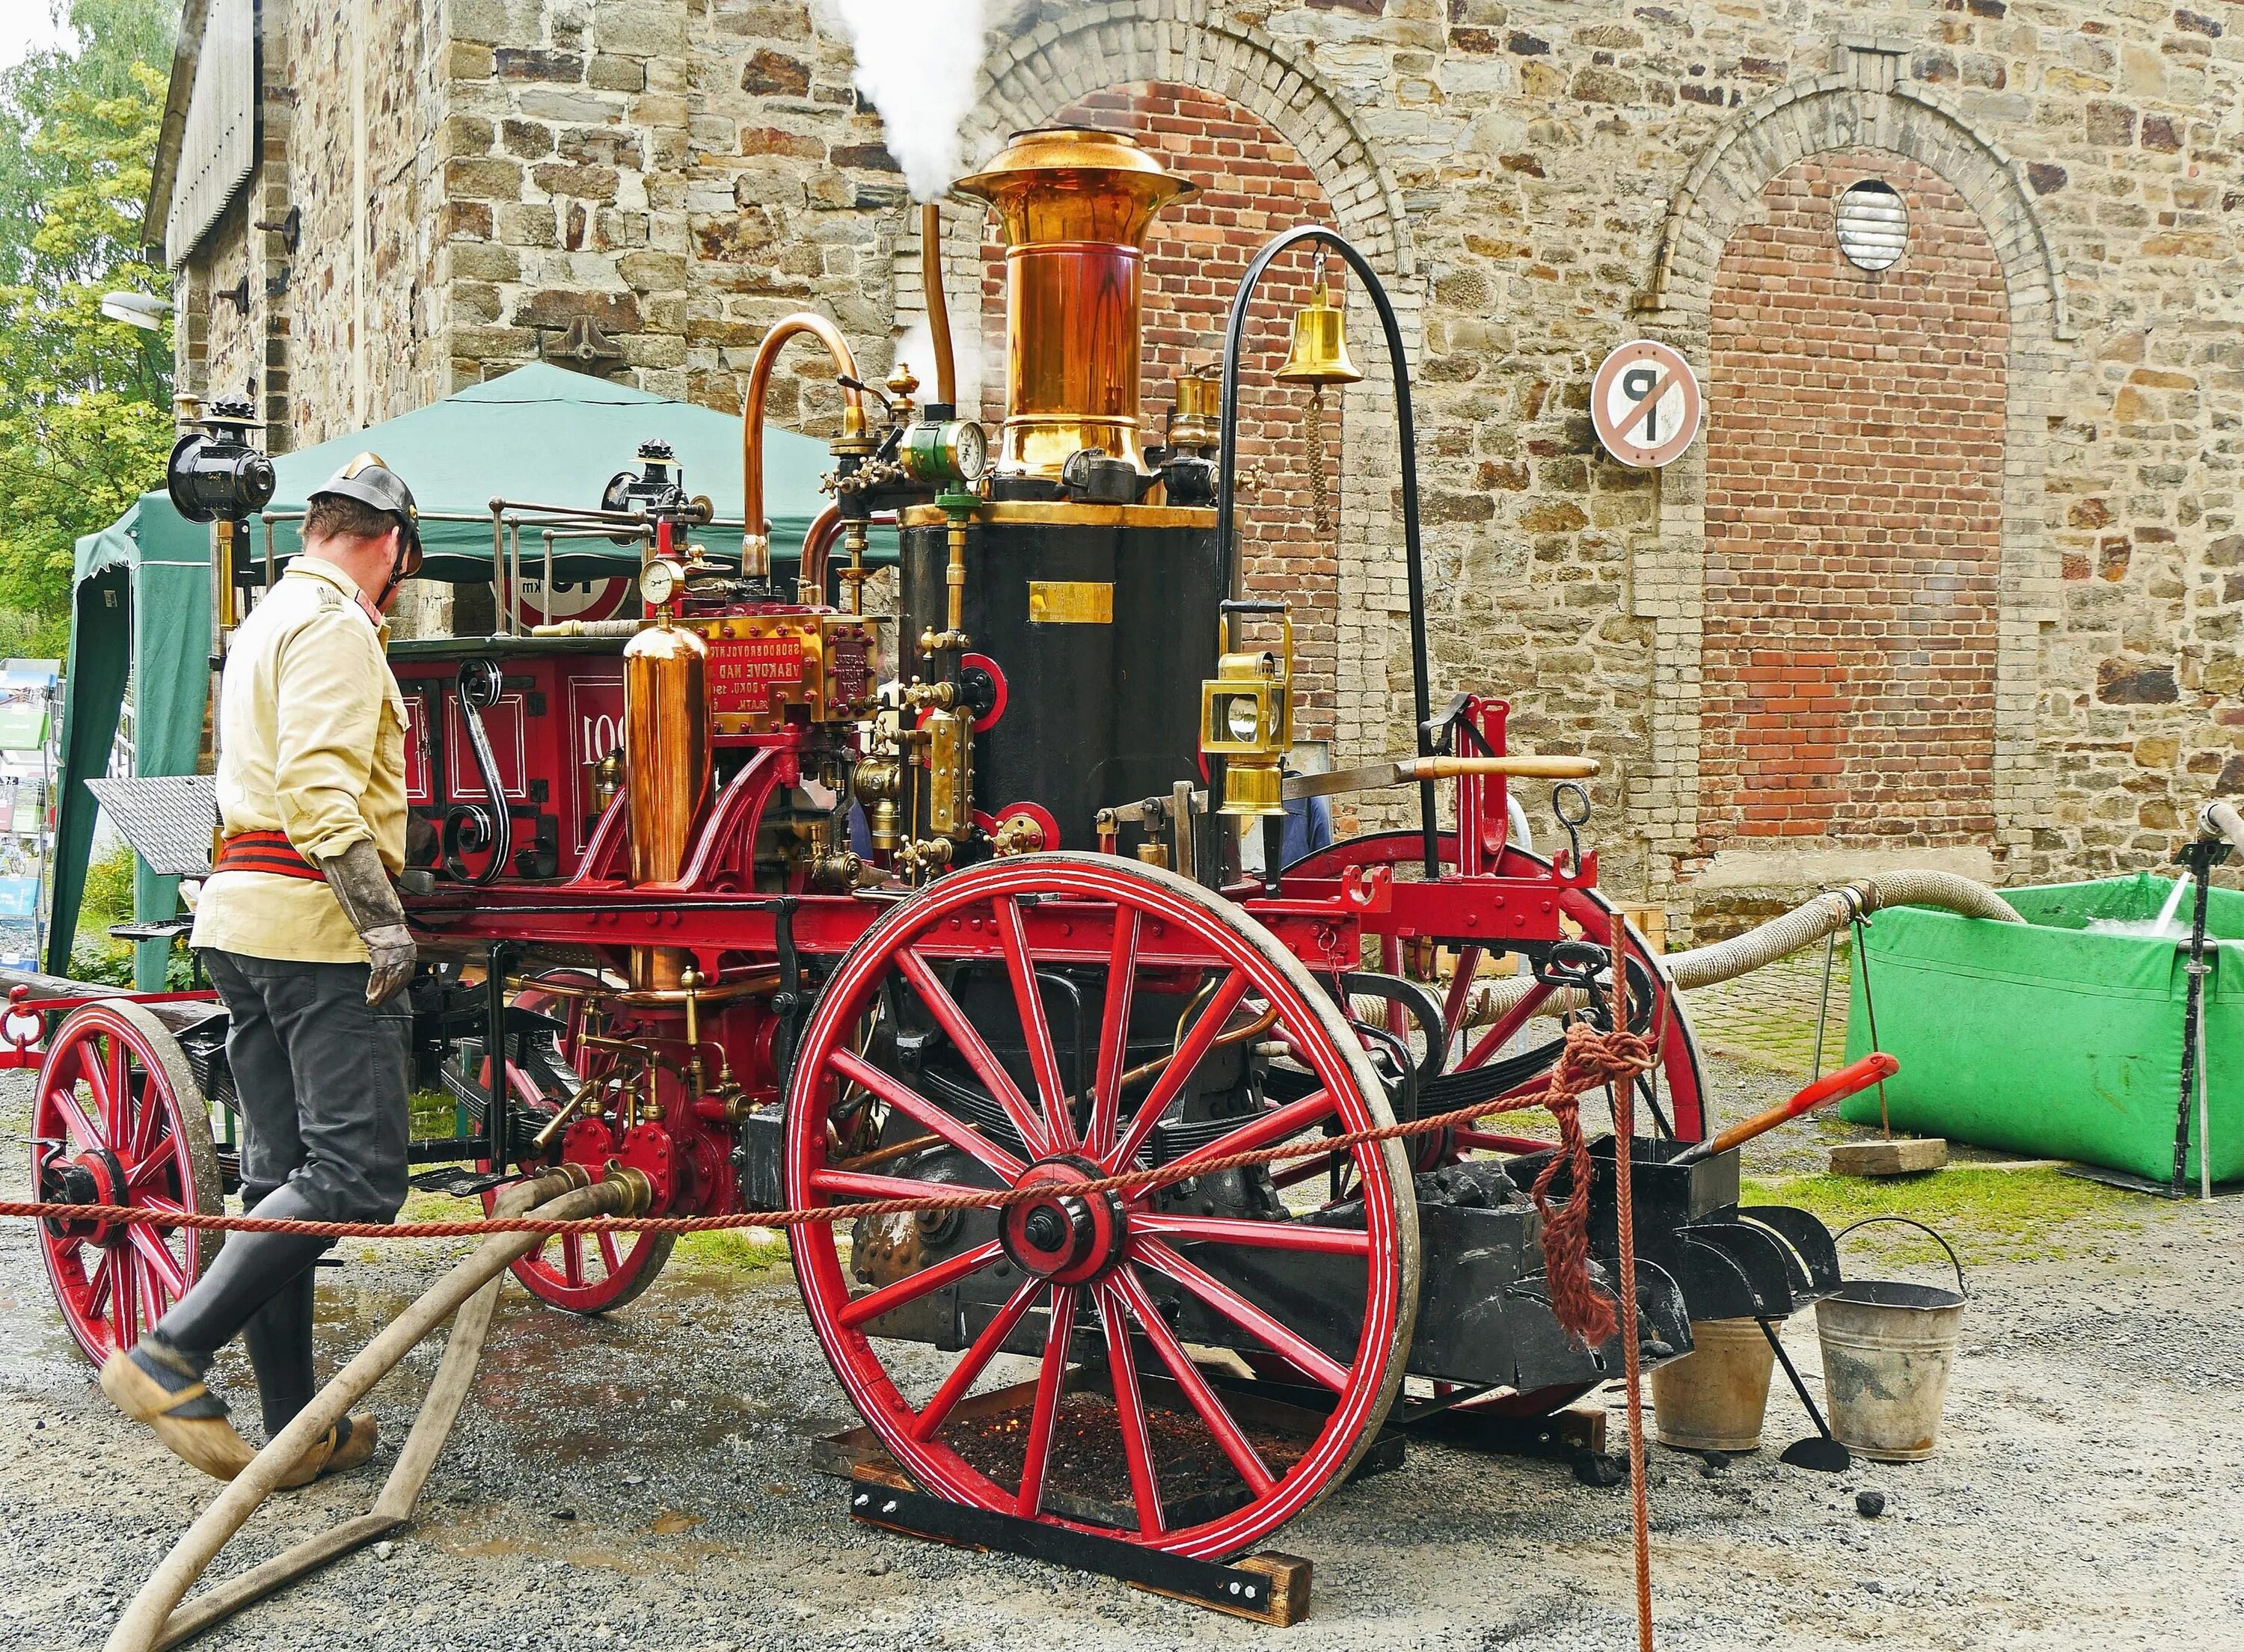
{"points": [[1645, 403]]}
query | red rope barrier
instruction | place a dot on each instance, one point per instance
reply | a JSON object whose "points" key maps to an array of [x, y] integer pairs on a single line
{"points": [[1588, 1059]]}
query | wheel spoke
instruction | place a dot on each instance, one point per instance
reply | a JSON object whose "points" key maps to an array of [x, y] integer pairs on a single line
{"points": [[1274, 1126], [1274, 1236], [97, 1084], [1204, 1399], [1051, 1379], [1512, 1020], [74, 1116], [1114, 1032], [1130, 1409], [974, 1360], [146, 1169], [573, 1258], [117, 1093], [975, 1049], [913, 1287], [864, 1184], [611, 1254], [1181, 1066], [164, 1267], [910, 1102], [1036, 1026], [148, 1123], [1241, 1313], [1483, 1139], [125, 1288], [101, 1288]]}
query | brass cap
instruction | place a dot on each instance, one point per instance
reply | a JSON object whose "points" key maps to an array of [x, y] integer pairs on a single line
{"points": [[1074, 183]]}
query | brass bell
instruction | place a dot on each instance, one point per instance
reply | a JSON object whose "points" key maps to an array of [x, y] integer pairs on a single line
{"points": [[1320, 351]]}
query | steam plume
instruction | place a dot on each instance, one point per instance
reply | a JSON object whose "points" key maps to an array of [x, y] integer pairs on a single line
{"points": [[917, 61]]}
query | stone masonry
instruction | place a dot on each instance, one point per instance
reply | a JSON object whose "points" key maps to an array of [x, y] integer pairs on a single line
{"points": [[640, 187]]}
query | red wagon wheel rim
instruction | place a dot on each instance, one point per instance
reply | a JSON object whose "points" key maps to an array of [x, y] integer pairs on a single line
{"points": [[583, 1273], [116, 1099], [1132, 920], [1682, 1085]]}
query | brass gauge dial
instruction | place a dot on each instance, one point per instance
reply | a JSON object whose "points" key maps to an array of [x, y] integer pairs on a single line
{"points": [[660, 580]]}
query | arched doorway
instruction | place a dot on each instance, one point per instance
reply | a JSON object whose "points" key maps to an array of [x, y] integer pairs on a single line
{"points": [[1854, 516], [1252, 184]]}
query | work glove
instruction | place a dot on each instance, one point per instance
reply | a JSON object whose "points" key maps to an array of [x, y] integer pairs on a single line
{"points": [[363, 889]]}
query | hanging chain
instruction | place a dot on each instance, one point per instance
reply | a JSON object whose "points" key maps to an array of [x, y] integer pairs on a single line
{"points": [[1313, 434]]}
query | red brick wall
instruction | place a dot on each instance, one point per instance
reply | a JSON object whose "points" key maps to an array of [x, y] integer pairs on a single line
{"points": [[1251, 185], [1854, 503]]}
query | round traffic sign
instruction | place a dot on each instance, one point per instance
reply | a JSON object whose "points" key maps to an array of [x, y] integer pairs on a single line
{"points": [[1645, 403]]}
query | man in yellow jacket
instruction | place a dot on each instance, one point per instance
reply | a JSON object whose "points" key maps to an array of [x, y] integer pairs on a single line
{"points": [[302, 932]]}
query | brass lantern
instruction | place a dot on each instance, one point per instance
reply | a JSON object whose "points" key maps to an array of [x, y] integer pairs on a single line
{"points": [[1246, 714]]}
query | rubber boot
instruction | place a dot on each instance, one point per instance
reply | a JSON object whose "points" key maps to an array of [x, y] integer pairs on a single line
{"points": [[251, 1270], [279, 1341]]}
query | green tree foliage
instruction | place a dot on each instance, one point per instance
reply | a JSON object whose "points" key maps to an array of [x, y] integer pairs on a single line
{"points": [[84, 401]]}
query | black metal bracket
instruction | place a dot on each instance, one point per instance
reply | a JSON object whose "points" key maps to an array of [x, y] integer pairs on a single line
{"points": [[1269, 1588]]}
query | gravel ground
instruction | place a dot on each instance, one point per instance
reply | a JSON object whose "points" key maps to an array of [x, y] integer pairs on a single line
{"points": [[644, 1480]]}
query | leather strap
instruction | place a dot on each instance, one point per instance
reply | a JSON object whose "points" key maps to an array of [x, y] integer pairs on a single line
{"points": [[266, 851]]}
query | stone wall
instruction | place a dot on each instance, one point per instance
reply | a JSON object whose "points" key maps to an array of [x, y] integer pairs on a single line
{"points": [[1536, 180]]}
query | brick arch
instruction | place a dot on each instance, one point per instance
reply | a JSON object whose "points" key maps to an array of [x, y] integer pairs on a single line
{"points": [[1869, 104]]}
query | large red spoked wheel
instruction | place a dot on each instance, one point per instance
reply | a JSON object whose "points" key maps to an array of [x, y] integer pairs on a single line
{"points": [[583, 1273], [1087, 1285], [1677, 1087], [118, 1119]]}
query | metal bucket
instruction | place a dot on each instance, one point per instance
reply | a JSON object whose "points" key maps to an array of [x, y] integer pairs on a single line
{"points": [[1888, 1347], [1714, 1398]]}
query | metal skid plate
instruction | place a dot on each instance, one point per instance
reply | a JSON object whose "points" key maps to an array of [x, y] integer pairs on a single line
{"points": [[168, 820]]}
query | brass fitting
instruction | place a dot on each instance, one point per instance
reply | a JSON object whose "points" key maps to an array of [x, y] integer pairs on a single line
{"points": [[639, 1192], [1021, 834]]}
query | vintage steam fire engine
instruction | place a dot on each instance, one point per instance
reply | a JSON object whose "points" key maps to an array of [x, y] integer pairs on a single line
{"points": [[778, 902]]}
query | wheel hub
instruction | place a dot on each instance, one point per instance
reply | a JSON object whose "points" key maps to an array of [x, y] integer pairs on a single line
{"points": [[95, 1176], [1064, 1234]]}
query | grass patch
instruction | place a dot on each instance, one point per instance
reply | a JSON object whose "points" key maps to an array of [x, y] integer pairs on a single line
{"points": [[732, 1248], [1990, 1216]]}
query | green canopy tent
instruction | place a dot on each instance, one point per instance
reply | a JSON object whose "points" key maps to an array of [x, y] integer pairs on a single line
{"points": [[141, 602]]}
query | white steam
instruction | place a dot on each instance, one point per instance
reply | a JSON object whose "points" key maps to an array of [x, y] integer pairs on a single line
{"points": [[918, 62]]}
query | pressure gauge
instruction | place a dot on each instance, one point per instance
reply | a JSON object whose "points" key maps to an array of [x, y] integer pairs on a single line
{"points": [[954, 451], [969, 445], [658, 581]]}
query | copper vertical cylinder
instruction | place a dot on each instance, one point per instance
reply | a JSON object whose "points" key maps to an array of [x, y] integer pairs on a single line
{"points": [[1073, 208], [668, 737]]}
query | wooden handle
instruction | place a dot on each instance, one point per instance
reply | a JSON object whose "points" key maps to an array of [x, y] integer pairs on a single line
{"points": [[1857, 1075], [1524, 765]]}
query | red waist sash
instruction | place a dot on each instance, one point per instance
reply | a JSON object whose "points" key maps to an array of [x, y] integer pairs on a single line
{"points": [[266, 851]]}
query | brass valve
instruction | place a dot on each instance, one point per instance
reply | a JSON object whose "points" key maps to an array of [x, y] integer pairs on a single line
{"points": [[1021, 834]]}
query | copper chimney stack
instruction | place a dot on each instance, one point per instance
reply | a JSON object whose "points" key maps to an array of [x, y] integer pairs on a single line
{"points": [[1073, 205]]}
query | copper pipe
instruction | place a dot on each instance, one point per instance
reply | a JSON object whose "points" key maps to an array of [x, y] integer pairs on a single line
{"points": [[755, 537], [810, 579], [825, 528], [939, 308]]}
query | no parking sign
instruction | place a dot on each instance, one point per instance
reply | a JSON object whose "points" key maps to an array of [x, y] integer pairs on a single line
{"points": [[1645, 403]]}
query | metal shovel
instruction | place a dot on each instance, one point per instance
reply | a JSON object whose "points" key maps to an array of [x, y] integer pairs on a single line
{"points": [[1819, 1451]]}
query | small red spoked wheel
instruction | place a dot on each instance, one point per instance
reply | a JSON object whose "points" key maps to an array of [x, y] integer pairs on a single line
{"points": [[594, 1273], [1102, 1287], [1679, 1087], [118, 1119]]}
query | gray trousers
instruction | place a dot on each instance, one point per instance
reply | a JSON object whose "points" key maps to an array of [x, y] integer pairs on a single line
{"points": [[321, 1078]]}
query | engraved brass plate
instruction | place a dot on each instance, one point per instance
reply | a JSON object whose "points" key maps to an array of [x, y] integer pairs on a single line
{"points": [[1070, 602]]}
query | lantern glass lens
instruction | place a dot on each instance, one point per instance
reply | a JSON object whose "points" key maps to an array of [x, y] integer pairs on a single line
{"points": [[1243, 718]]}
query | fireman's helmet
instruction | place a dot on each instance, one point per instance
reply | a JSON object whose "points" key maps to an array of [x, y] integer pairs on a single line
{"points": [[370, 481]]}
